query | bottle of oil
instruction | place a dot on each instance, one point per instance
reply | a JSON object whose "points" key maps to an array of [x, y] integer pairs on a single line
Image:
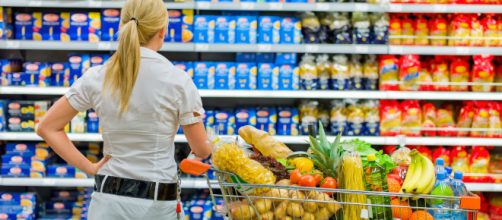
{"points": [[376, 180]]}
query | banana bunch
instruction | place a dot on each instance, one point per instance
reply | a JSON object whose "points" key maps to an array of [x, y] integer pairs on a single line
{"points": [[421, 176]]}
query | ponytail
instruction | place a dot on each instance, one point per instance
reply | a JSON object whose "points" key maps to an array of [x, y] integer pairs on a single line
{"points": [[140, 21]]}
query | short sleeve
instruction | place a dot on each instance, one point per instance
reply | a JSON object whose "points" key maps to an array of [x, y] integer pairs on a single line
{"points": [[78, 95], [190, 105]]}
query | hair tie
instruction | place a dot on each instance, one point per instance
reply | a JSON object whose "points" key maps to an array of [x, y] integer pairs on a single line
{"points": [[135, 20]]}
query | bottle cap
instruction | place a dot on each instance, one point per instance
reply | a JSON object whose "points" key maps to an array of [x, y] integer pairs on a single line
{"points": [[439, 162], [458, 175], [371, 157], [441, 175], [448, 170]]}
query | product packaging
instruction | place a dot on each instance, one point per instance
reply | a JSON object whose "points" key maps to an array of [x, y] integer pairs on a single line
{"points": [[203, 29], [338, 120], [355, 119], [482, 72], [476, 32], [246, 30], [409, 72], [324, 71], [438, 27], [445, 123], [460, 30], [388, 72], [340, 73], [78, 123], [269, 29], [245, 116], [181, 25], [98, 59], [78, 65], [92, 122], [361, 34], [356, 73], [110, 21], [268, 76], [224, 76], [286, 58], [289, 77], [85, 26], [6, 28], [61, 171], [380, 28], [465, 119], [186, 67], [288, 121], [408, 31], [265, 57], [460, 73], [203, 75], [479, 160], [290, 31], [224, 122], [309, 78], [370, 73], [41, 108], [421, 30], [390, 118], [224, 30], [490, 31], [395, 30], [411, 118], [245, 76], [494, 123], [309, 113], [441, 74], [266, 119], [47, 26], [60, 74], [310, 28]]}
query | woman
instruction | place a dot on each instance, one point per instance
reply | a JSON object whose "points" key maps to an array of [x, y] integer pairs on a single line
{"points": [[141, 99]]}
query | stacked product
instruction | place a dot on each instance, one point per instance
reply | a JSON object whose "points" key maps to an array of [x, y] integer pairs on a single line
{"points": [[15, 205], [200, 206], [66, 205]]}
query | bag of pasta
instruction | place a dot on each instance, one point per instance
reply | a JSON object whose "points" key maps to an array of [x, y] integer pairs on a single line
{"points": [[231, 158]]}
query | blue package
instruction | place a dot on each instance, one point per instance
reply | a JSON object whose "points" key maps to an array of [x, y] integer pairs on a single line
{"points": [[224, 122], [110, 20], [291, 31], [265, 57], [268, 76], [245, 76], [36, 74], [2, 116], [266, 119], [78, 64], [208, 118], [289, 77], [180, 27], [186, 67], [60, 74], [16, 160], [269, 28], [9, 170], [20, 148], [92, 122], [203, 75], [98, 59], [288, 121], [50, 28], [286, 58], [224, 30], [64, 171], [196, 212], [245, 116], [10, 65], [23, 26], [85, 26], [224, 76], [245, 30], [245, 57], [204, 26]]}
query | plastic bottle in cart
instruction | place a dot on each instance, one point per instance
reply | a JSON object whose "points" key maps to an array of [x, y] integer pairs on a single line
{"points": [[449, 170], [439, 165], [441, 206], [376, 180], [459, 189]]}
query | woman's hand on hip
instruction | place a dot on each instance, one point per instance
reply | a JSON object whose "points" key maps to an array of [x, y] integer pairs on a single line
{"points": [[96, 166]]}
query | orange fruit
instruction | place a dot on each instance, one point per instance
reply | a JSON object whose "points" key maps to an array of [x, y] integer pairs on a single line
{"points": [[399, 212], [393, 185], [421, 215]]}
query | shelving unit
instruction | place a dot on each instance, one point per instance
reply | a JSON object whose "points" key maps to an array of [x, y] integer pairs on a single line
{"points": [[297, 140], [261, 94], [258, 48]]}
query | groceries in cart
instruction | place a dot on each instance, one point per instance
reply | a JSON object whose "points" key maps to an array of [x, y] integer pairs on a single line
{"points": [[260, 177]]}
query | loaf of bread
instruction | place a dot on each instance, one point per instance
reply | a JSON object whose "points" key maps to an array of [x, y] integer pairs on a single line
{"points": [[264, 142]]}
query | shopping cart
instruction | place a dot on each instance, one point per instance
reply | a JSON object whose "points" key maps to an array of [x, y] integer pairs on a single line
{"points": [[252, 201]]}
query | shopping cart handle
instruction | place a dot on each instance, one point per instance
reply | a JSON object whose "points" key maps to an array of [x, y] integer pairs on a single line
{"points": [[194, 167]]}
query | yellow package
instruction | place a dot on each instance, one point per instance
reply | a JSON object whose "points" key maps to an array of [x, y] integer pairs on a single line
{"points": [[37, 26], [476, 32], [65, 26]]}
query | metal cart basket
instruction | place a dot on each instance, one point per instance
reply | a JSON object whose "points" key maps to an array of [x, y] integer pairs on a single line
{"points": [[251, 201]]}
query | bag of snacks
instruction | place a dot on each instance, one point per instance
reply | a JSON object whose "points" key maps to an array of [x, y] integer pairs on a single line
{"points": [[481, 120], [494, 121], [390, 118], [465, 119], [340, 73], [409, 72], [370, 73], [422, 31], [482, 72], [388, 71], [395, 29], [356, 72], [440, 74], [411, 118], [438, 30], [429, 120], [445, 123], [460, 30], [476, 31], [490, 32], [460, 73]]}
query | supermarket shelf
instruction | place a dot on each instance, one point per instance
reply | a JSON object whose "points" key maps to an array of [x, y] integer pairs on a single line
{"points": [[446, 50], [247, 6], [14, 90], [188, 183], [445, 141], [484, 187], [83, 46]]}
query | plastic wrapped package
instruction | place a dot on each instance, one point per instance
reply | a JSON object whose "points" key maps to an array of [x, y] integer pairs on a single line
{"points": [[326, 32], [465, 119], [460, 73], [372, 118], [361, 33], [309, 77], [355, 118], [421, 31], [429, 120], [310, 27], [481, 120], [425, 76], [338, 120], [340, 73], [494, 123], [438, 29], [490, 32], [390, 118], [351, 178], [356, 72], [408, 31], [440, 74], [445, 123], [476, 32], [411, 118], [370, 73], [324, 71], [309, 114], [409, 72], [388, 72], [395, 30], [460, 30], [380, 22], [342, 29], [483, 72]]}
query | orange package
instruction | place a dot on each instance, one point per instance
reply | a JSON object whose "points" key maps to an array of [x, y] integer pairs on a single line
{"points": [[429, 120], [460, 30], [476, 31], [388, 72], [395, 29], [482, 73], [494, 122], [481, 120], [440, 74], [408, 30], [438, 28], [390, 118], [411, 118], [465, 119], [441, 152], [499, 27], [479, 160], [409, 72], [490, 30], [421, 31], [445, 123], [460, 73], [459, 159], [425, 77]]}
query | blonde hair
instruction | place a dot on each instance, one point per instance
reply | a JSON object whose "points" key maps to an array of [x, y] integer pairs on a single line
{"points": [[140, 20]]}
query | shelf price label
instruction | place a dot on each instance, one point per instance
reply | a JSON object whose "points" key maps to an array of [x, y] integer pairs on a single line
{"points": [[396, 8], [264, 48], [35, 3], [247, 5], [201, 47], [12, 44], [396, 50], [361, 7], [362, 49], [104, 46], [439, 8], [462, 51], [312, 48], [48, 182], [276, 6]]}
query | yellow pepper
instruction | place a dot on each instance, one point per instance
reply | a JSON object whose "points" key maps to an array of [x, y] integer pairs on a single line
{"points": [[303, 164]]}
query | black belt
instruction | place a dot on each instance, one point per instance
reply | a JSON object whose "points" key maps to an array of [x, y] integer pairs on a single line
{"points": [[135, 188]]}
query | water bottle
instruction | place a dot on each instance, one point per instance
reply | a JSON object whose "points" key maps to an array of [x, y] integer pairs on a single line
{"points": [[459, 189], [441, 188], [449, 170], [376, 180], [439, 165]]}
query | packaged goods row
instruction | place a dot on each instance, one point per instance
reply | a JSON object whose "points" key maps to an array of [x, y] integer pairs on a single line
{"points": [[199, 206], [482, 73], [15, 205], [445, 30], [37, 160]]}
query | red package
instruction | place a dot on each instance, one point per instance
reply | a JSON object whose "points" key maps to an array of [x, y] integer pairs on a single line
{"points": [[460, 30], [460, 73], [408, 30], [425, 77], [445, 123], [389, 149], [438, 28], [443, 153], [421, 30], [411, 118], [476, 31], [395, 29], [490, 30], [499, 24], [440, 74], [481, 120], [494, 123], [465, 119], [409, 72], [483, 72], [390, 118], [425, 151], [498, 71], [479, 160], [429, 120], [459, 159], [388, 72]]}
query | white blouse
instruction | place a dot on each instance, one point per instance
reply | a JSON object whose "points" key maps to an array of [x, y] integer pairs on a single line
{"points": [[141, 141]]}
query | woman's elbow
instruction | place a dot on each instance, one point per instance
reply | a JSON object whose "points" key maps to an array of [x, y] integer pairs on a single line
{"points": [[204, 153], [41, 129]]}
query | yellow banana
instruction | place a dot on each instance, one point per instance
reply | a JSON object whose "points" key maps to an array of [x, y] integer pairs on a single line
{"points": [[427, 176], [414, 176], [429, 187]]}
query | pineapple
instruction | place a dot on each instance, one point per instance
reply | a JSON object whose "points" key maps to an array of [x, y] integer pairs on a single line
{"points": [[326, 156]]}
